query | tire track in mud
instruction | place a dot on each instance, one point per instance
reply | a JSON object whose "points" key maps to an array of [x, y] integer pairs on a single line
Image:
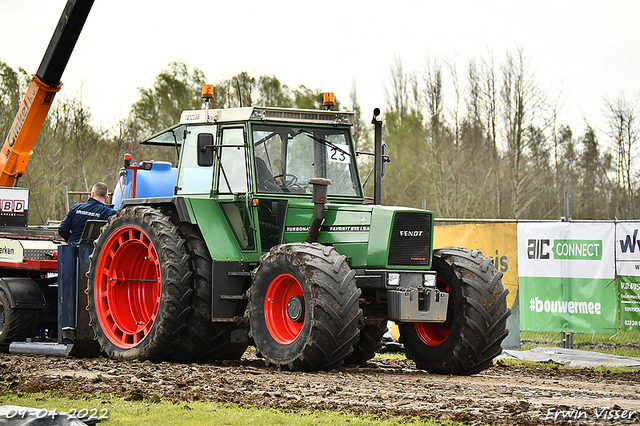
{"points": [[501, 395]]}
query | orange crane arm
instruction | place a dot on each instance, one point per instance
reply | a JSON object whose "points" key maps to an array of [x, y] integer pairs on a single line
{"points": [[18, 145], [24, 131]]}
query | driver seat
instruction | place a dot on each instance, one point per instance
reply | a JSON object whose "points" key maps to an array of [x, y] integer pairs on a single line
{"points": [[264, 177]]}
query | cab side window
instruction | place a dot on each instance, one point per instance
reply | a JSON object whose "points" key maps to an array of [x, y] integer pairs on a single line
{"points": [[192, 178]]}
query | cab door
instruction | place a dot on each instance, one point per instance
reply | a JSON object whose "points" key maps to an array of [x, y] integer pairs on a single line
{"points": [[192, 177], [231, 183]]}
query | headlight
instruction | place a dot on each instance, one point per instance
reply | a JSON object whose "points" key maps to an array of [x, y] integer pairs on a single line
{"points": [[394, 279], [429, 280]]}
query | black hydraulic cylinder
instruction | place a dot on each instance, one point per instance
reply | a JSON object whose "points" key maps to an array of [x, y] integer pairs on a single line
{"points": [[67, 293], [319, 200], [377, 164], [73, 317], [63, 41]]}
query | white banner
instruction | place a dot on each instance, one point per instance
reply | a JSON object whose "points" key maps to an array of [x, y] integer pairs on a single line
{"points": [[628, 248], [566, 249]]}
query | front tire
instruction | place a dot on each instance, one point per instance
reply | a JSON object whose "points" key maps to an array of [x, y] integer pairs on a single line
{"points": [[138, 289], [470, 338], [303, 308]]}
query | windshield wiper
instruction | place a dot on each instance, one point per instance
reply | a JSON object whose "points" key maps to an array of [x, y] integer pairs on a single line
{"points": [[263, 140], [320, 140]]}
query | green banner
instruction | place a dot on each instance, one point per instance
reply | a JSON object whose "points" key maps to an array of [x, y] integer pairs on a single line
{"points": [[580, 305], [577, 249], [629, 302]]}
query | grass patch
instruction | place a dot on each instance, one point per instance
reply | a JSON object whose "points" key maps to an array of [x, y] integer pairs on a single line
{"points": [[391, 355], [145, 413]]}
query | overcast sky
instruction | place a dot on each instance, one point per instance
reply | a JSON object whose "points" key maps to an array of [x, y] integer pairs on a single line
{"points": [[581, 51]]}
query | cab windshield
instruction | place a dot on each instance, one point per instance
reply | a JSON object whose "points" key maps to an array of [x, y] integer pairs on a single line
{"points": [[286, 157]]}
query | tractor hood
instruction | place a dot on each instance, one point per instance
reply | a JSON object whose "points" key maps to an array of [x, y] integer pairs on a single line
{"points": [[371, 236]]}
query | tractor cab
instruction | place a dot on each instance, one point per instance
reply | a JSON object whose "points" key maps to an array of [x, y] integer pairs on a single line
{"points": [[260, 159], [260, 150]]}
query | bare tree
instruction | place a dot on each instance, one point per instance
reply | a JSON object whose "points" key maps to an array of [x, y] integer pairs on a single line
{"points": [[434, 101], [438, 164], [398, 94], [474, 95], [592, 173], [490, 103], [624, 133], [359, 133], [521, 98]]}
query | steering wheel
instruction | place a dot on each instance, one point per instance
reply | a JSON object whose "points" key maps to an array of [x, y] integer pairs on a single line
{"points": [[287, 183]]}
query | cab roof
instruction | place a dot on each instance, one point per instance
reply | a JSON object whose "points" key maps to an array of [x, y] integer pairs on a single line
{"points": [[256, 113], [172, 136]]}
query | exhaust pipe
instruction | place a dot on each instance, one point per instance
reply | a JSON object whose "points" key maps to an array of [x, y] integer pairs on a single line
{"points": [[319, 200], [378, 163]]}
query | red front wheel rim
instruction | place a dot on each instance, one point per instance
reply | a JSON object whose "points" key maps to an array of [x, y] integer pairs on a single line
{"points": [[128, 285], [434, 334], [282, 290]]}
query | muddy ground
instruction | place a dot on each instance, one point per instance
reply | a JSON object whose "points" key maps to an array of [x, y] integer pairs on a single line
{"points": [[502, 395]]}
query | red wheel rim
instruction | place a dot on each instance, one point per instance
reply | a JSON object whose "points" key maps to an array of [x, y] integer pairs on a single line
{"points": [[433, 334], [283, 288], [127, 286]]}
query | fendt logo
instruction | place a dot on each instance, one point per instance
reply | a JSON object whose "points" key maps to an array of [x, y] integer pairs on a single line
{"points": [[629, 244], [411, 233], [564, 249]]}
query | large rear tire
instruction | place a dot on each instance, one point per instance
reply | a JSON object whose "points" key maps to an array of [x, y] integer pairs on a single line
{"points": [[204, 340], [476, 319], [15, 324], [138, 289], [303, 308]]}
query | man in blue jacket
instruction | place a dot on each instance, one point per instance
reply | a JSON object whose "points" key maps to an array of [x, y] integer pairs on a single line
{"points": [[95, 209]]}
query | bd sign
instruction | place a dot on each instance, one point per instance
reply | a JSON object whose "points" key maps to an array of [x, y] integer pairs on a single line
{"points": [[567, 277], [14, 206]]}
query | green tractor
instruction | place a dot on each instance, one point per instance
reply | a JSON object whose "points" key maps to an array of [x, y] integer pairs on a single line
{"points": [[262, 235]]}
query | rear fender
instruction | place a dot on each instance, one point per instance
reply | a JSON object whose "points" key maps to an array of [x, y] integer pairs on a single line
{"points": [[170, 204], [23, 293]]}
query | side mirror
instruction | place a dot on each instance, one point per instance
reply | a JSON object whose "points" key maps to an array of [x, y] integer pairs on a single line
{"points": [[205, 150], [385, 158]]}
